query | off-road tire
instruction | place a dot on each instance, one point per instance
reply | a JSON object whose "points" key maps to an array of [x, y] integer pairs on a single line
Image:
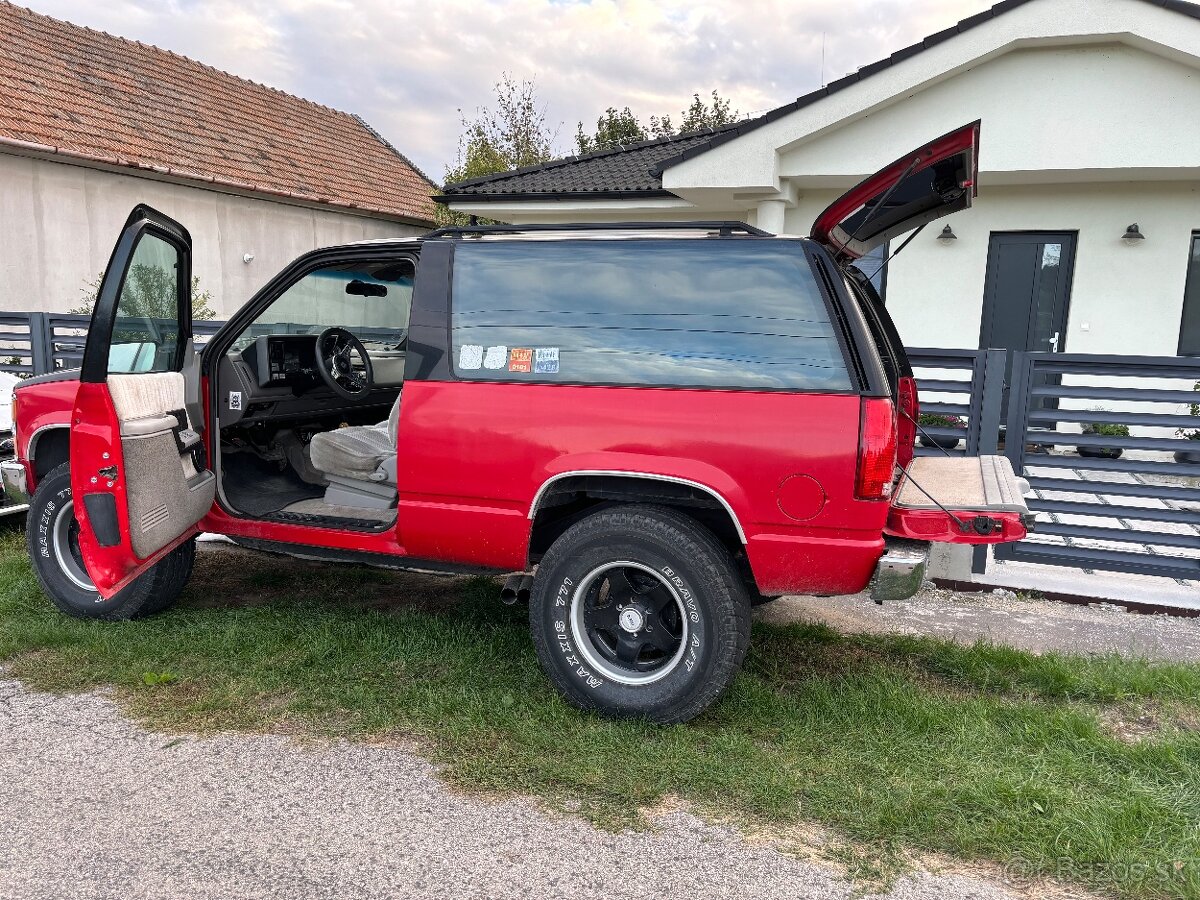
{"points": [[151, 592], [691, 562]]}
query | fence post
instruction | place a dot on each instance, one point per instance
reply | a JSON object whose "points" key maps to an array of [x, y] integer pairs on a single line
{"points": [[41, 351], [1018, 409], [992, 401]]}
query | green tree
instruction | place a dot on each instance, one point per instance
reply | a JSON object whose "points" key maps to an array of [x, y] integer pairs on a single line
{"points": [[148, 291], [619, 128], [508, 136], [701, 115], [613, 129]]}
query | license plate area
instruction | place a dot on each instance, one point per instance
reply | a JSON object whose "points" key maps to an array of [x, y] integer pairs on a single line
{"points": [[960, 500]]}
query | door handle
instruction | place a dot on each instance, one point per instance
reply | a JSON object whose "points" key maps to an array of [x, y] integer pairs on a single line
{"points": [[1053, 341]]}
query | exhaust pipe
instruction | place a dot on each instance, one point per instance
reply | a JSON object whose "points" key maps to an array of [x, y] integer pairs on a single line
{"points": [[525, 588], [508, 593]]}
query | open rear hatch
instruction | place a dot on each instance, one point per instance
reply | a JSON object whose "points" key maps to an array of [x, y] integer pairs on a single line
{"points": [[930, 182], [960, 500]]}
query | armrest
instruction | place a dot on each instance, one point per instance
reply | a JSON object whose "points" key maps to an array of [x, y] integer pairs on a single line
{"points": [[148, 425]]}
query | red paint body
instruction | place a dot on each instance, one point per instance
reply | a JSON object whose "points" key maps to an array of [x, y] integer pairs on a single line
{"points": [[473, 456]]}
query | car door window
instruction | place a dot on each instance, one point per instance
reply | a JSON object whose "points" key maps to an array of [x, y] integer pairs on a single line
{"points": [[145, 336]]}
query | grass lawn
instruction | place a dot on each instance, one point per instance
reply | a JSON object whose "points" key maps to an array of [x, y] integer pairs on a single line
{"points": [[983, 752]]}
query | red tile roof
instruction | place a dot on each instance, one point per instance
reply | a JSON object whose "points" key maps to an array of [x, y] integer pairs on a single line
{"points": [[91, 96]]}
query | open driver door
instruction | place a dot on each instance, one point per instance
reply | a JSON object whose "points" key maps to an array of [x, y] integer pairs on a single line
{"points": [[139, 479]]}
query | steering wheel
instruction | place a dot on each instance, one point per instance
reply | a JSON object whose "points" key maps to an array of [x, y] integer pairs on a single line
{"points": [[347, 376]]}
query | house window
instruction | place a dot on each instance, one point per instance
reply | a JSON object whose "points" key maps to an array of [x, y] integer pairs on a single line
{"points": [[1189, 328]]}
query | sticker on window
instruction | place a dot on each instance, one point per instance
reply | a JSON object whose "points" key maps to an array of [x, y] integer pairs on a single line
{"points": [[495, 357], [545, 360], [470, 356], [520, 359]]}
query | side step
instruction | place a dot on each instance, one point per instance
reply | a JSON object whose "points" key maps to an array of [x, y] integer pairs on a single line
{"points": [[319, 521]]}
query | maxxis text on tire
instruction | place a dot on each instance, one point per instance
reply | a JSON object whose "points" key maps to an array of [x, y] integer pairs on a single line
{"points": [[50, 534]]}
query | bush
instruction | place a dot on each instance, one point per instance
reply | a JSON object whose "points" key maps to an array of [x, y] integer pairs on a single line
{"points": [[1106, 429], [936, 420]]}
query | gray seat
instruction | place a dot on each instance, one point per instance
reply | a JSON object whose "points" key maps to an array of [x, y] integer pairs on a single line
{"points": [[359, 459]]}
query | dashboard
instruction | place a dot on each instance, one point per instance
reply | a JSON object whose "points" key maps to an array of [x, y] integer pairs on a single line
{"points": [[276, 377], [283, 359]]}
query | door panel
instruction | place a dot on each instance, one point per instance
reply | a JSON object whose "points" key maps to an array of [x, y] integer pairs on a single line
{"points": [[165, 491], [137, 464]]}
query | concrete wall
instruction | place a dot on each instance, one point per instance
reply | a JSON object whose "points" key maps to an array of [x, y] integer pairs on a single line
{"points": [[58, 224]]}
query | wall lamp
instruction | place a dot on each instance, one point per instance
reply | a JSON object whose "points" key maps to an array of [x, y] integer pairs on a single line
{"points": [[946, 236], [1133, 236]]}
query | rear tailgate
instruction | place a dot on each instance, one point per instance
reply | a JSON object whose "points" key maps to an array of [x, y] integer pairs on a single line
{"points": [[960, 500]]}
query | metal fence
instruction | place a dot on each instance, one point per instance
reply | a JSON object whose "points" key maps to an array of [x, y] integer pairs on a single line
{"points": [[1127, 500], [961, 384], [33, 343]]}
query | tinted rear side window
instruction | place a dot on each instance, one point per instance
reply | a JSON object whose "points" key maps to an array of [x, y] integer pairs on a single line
{"points": [[700, 313]]}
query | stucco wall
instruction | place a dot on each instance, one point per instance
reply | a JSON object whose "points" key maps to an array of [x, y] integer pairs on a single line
{"points": [[1123, 299], [58, 223]]}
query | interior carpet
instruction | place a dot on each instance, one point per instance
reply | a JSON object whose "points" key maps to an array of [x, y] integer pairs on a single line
{"points": [[256, 487]]}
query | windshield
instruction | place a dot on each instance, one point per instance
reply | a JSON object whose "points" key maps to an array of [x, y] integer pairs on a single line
{"points": [[369, 299]]}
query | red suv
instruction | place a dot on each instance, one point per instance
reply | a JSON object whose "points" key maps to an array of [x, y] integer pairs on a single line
{"points": [[664, 423]]}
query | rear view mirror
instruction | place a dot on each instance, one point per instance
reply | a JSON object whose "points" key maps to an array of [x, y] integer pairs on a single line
{"points": [[366, 289]]}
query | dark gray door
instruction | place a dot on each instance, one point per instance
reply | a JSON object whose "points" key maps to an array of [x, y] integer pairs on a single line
{"points": [[1026, 293]]}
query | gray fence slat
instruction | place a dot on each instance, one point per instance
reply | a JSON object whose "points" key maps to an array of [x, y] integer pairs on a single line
{"points": [[1114, 489], [1113, 511], [1122, 535], [1116, 417], [1125, 464], [1140, 394], [1112, 560]]}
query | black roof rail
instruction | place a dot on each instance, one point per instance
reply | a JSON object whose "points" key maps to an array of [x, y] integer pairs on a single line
{"points": [[724, 229]]}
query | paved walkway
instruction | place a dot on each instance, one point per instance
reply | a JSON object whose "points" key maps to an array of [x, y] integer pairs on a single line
{"points": [[1003, 618], [92, 806]]}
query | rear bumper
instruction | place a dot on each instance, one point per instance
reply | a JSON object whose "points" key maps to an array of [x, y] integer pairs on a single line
{"points": [[16, 494], [900, 571]]}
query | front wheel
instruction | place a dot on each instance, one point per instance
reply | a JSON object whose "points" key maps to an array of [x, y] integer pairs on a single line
{"points": [[639, 612], [52, 535]]}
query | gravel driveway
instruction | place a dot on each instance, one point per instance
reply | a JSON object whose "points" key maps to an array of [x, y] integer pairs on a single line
{"points": [[91, 806]]}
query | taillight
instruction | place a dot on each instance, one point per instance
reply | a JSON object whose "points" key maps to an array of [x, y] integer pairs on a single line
{"points": [[908, 408], [876, 450]]}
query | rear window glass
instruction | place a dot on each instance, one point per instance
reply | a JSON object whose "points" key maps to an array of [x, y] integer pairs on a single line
{"points": [[674, 312]]}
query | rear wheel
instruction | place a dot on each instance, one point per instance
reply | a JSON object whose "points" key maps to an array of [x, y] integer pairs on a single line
{"points": [[52, 535], [639, 612]]}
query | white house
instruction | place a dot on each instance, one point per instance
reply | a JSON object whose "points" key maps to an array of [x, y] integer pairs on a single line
{"points": [[92, 124], [1090, 116]]}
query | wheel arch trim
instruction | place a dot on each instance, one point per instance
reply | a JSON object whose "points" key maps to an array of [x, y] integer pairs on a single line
{"points": [[37, 434], [645, 476]]}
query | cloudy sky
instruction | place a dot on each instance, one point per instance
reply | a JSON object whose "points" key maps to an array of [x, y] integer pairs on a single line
{"points": [[408, 67]]}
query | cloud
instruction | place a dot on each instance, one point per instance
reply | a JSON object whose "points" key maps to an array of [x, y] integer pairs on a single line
{"points": [[408, 68]]}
